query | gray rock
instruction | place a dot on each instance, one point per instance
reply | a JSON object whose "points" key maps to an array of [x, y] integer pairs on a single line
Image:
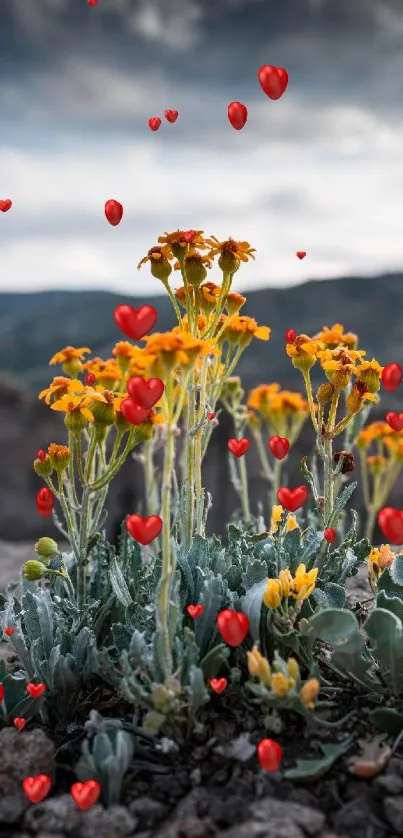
{"points": [[25, 755], [312, 821], [353, 818], [147, 812], [393, 808], [12, 808], [187, 828], [388, 784], [276, 828], [115, 822]]}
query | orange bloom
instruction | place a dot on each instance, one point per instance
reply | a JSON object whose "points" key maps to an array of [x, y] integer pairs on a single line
{"points": [[59, 387], [69, 353]]}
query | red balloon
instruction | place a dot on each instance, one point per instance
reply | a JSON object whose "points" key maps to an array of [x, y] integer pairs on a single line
{"points": [[330, 535], [290, 335], [233, 626], [238, 447], [145, 392], [135, 323], [171, 116], [269, 755], [113, 212], [237, 115], [133, 413], [144, 530], [273, 80], [279, 446], [154, 123], [395, 421], [292, 499], [391, 377], [390, 521]]}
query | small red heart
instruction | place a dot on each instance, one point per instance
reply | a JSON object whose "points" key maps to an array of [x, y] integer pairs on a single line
{"points": [[19, 722], [237, 115], [218, 685], [85, 794], [44, 502], [135, 323], [330, 535], [36, 690], [5, 205], [195, 611], [92, 2], [1, 693], [90, 379], [171, 116], [113, 212], [238, 447], [301, 254], [273, 80], [211, 416], [279, 446], [390, 521], [37, 788], [395, 421], [41, 455], [144, 530], [290, 335], [391, 377], [269, 754], [233, 626], [292, 499], [145, 392], [189, 235], [132, 412], [9, 631], [154, 123]]}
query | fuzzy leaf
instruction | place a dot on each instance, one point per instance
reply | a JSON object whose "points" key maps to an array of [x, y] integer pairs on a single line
{"points": [[118, 583], [386, 583], [385, 632], [340, 503], [252, 606], [337, 627], [387, 719], [393, 604], [396, 570], [313, 769]]}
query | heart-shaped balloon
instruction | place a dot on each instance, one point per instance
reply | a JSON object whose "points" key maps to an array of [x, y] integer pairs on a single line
{"points": [[395, 421], [135, 323], [390, 521], [189, 235], [171, 116], [9, 631], [391, 377], [269, 755], [113, 212], [195, 611], [145, 392], [301, 254], [144, 530], [37, 788], [19, 722], [5, 205], [85, 794], [292, 499], [154, 123], [330, 535], [218, 685], [273, 80], [133, 413], [279, 446], [36, 690], [237, 115], [290, 335], [238, 447], [233, 626], [210, 416]]}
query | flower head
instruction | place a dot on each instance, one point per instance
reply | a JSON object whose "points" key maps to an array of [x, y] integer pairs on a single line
{"points": [[59, 456], [335, 336], [259, 666], [59, 387], [70, 358], [158, 257], [76, 409], [230, 252], [369, 372], [378, 559], [303, 583], [309, 693], [303, 352], [241, 329]]}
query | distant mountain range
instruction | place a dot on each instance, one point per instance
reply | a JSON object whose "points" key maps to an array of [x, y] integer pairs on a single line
{"points": [[34, 326]]}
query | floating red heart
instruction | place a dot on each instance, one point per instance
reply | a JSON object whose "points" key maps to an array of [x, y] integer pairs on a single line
{"points": [[269, 755], [273, 80], [36, 690], [92, 2], [290, 335], [218, 685], [9, 631], [279, 446], [113, 212], [135, 323], [85, 794], [90, 379], [233, 626], [395, 421], [37, 788], [189, 235], [19, 722], [45, 502], [171, 116], [292, 499], [145, 392], [301, 254], [237, 115], [330, 535], [211, 416], [132, 412], [195, 611], [391, 377], [154, 123], [238, 447], [5, 205], [390, 521], [1, 693], [144, 530], [41, 455]]}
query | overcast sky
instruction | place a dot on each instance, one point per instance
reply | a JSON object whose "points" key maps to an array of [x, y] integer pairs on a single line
{"points": [[319, 170]]}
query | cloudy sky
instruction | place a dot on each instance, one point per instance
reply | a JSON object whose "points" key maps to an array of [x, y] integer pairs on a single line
{"points": [[319, 170]]}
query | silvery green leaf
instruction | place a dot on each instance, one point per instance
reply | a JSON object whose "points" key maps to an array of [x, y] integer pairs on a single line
{"points": [[252, 606], [340, 503], [393, 604], [312, 543], [313, 769], [385, 632], [240, 749], [101, 749], [386, 583], [212, 597], [118, 583], [330, 595], [396, 570], [121, 636], [197, 690], [337, 627], [256, 571]]}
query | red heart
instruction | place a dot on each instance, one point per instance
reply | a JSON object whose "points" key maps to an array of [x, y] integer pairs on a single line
{"points": [[330, 535], [145, 393], [390, 521], [36, 690], [301, 254], [292, 499], [113, 212], [171, 116], [5, 205], [279, 446], [92, 2], [273, 80], [269, 755], [90, 379], [391, 377], [154, 123], [218, 684], [195, 611], [238, 447], [395, 421], [233, 626], [19, 722], [237, 115], [144, 530], [189, 235], [1, 693], [85, 794], [135, 323], [132, 412], [9, 631], [290, 335], [211, 416], [37, 788]]}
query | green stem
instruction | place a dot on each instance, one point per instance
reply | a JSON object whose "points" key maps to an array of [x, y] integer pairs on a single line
{"points": [[114, 467], [167, 561], [226, 285], [198, 450], [190, 476], [71, 529], [308, 387], [244, 489]]}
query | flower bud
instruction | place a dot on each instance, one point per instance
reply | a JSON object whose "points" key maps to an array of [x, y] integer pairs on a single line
{"points": [[43, 467], [103, 412], [161, 268], [60, 456], [273, 594], [309, 693], [280, 685], [293, 669], [34, 570], [325, 394], [46, 547], [303, 624], [195, 271], [72, 367], [234, 302]]}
